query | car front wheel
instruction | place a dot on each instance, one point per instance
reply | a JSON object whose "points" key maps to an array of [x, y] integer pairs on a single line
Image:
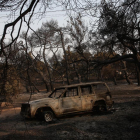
{"points": [[99, 108], [48, 116], [102, 108]]}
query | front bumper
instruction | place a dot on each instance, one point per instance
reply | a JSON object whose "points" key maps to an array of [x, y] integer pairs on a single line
{"points": [[25, 110]]}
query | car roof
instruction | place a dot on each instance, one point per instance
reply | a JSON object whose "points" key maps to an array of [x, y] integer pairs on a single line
{"points": [[81, 84]]}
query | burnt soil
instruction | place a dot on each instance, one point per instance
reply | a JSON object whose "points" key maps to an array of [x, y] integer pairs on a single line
{"points": [[121, 123]]}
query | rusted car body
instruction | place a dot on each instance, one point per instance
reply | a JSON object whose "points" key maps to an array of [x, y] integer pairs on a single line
{"points": [[69, 99]]}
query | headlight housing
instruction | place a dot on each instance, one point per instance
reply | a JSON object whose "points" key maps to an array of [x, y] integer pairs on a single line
{"points": [[108, 97]]}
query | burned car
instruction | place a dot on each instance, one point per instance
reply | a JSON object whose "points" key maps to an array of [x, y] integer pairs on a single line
{"points": [[76, 98]]}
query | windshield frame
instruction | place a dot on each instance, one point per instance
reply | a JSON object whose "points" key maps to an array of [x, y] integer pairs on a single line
{"points": [[55, 90]]}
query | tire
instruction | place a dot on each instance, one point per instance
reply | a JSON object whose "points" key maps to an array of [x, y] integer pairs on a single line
{"points": [[102, 108], [48, 116], [99, 109]]}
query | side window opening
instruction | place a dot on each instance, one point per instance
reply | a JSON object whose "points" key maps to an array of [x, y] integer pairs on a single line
{"points": [[85, 90], [57, 93], [71, 92]]}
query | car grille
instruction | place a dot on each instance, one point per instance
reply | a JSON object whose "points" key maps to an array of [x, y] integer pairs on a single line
{"points": [[25, 107]]}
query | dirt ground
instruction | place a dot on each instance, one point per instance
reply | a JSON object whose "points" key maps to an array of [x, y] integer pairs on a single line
{"points": [[122, 123]]}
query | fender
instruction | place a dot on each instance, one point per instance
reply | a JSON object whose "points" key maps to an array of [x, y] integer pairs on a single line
{"points": [[98, 102], [41, 108]]}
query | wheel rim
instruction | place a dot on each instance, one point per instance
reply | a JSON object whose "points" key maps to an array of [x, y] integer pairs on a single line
{"points": [[102, 108], [48, 117]]}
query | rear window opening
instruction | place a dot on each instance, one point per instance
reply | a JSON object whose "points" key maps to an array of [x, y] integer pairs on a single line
{"points": [[85, 90]]}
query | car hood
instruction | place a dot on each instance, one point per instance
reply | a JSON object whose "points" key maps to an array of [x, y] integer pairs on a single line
{"points": [[44, 100]]}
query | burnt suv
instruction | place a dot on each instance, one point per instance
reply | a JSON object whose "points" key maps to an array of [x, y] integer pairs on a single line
{"points": [[76, 98]]}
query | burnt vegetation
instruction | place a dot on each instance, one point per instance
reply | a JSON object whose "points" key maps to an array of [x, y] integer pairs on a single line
{"points": [[39, 60], [108, 50]]}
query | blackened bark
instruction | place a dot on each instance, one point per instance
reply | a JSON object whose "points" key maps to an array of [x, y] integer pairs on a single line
{"points": [[65, 55], [48, 69], [126, 73], [46, 85], [32, 5], [77, 74], [75, 68], [27, 90], [87, 71], [114, 80], [138, 74]]}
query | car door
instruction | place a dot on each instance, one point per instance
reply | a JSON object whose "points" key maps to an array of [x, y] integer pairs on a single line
{"points": [[87, 97], [71, 101]]}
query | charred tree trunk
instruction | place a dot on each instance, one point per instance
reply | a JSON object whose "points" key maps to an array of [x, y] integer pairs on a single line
{"points": [[74, 66], [137, 63], [138, 74], [114, 80], [87, 71], [46, 85], [99, 75], [48, 69], [45, 80], [65, 55], [63, 80], [27, 88], [126, 73], [77, 74]]}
